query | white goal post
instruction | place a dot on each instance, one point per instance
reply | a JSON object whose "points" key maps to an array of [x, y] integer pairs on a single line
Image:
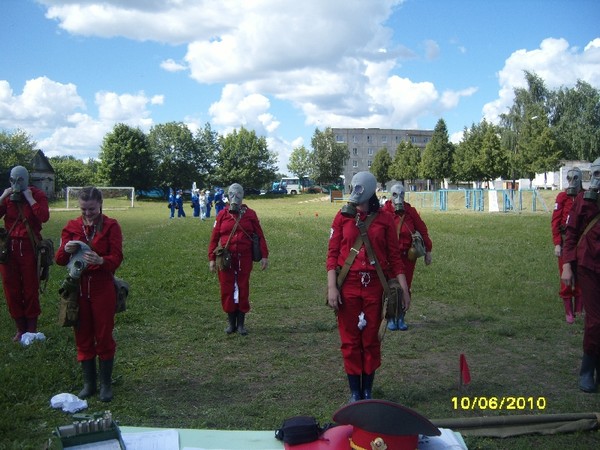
{"points": [[123, 196]]}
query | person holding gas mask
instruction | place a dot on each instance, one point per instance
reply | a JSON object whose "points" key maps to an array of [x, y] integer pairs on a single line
{"points": [[100, 256], [358, 300], [233, 230], [562, 207], [581, 257], [22, 206], [407, 220]]}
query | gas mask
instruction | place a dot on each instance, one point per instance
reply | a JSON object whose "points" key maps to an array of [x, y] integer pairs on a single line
{"points": [[592, 193], [363, 187], [574, 179], [77, 264], [235, 195], [398, 197], [19, 181]]}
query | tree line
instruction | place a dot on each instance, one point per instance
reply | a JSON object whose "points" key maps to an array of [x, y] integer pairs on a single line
{"points": [[540, 129]]}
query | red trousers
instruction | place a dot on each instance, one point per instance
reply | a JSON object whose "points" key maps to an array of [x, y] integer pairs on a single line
{"points": [[589, 282], [361, 349], [20, 281], [235, 284], [97, 303], [409, 267], [566, 292]]}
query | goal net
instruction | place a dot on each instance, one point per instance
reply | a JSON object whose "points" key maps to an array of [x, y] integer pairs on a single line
{"points": [[113, 197]]}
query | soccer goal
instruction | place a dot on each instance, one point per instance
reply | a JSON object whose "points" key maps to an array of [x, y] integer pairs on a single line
{"points": [[113, 197]]}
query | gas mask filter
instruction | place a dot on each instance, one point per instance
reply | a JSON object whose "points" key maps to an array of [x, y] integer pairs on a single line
{"points": [[236, 196], [398, 197], [363, 187], [77, 264], [574, 179], [592, 193], [19, 180]]}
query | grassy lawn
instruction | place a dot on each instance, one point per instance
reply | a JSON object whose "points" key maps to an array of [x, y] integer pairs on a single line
{"points": [[491, 293]]}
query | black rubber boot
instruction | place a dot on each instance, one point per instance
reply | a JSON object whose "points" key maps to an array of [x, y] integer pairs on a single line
{"points": [[354, 383], [241, 317], [88, 368], [367, 386], [231, 318], [106, 368], [586, 374]]}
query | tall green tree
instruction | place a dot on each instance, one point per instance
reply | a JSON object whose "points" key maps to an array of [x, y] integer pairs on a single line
{"points": [[208, 147], [529, 104], [575, 117], [245, 158], [70, 171], [436, 162], [126, 159], [300, 164], [16, 149], [176, 155], [328, 157], [381, 166], [405, 165]]}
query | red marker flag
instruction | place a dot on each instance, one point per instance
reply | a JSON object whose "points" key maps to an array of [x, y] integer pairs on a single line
{"points": [[465, 374]]}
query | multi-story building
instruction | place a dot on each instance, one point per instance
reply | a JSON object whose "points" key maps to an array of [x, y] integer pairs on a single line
{"points": [[364, 143]]}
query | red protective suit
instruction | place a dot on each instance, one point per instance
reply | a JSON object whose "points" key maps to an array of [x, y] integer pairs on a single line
{"points": [[362, 290], [97, 296], [19, 275], [562, 207], [235, 281], [585, 260], [411, 221]]}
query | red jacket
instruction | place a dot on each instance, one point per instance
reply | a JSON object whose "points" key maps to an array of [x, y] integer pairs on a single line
{"points": [[36, 215], [240, 241], [383, 238], [562, 207], [412, 221], [107, 242], [587, 253]]}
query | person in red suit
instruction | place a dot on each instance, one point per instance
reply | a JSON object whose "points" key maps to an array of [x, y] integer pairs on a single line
{"points": [[234, 227], [562, 207], [407, 220], [357, 301], [21, 204], [581, 256], [97, 296]]}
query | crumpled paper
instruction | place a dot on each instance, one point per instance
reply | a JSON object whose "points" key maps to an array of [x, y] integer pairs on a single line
{"points": [[361, 321], [28, 338], [69, 403]]}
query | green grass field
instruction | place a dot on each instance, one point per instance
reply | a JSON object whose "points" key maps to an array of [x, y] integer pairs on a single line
{"points": [[491, 293]]}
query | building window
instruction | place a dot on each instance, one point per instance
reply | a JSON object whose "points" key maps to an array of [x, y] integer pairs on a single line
{"points": [[370, 150], [339, 138], [368, 139], [355, 151], [397, 139], [384, 139], [355, 139], [354, 163], [369, 162]]}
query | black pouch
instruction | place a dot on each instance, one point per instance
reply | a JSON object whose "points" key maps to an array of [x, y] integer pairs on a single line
{"points": [[256, 252], [299, 430], [4, 246]]}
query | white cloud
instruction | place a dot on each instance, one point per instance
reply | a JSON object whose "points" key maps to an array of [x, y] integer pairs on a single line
{"points": [[171, 66], [432, 49], [554, 61]]}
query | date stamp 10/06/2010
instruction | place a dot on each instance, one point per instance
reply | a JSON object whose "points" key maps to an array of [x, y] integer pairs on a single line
{"points": [[505, 403]]}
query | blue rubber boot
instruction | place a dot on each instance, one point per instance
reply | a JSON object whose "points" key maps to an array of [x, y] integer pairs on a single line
{"points": [[392, 325], [402, 326]]}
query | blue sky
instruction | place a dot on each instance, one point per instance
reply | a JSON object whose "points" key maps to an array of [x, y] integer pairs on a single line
{"points": [[70, 70]]}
